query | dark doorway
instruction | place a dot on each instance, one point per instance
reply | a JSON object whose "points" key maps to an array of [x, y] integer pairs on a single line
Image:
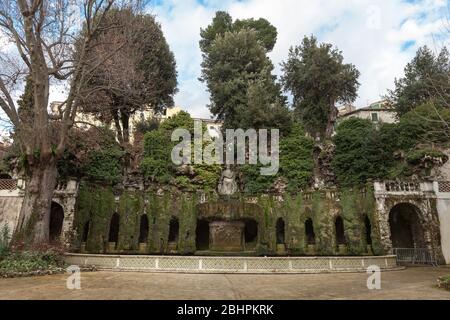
{"points": [[406, 230], [86, 227], [339, 229], [114, 228], [56, 221], [143, 229], [280, 231], [202, 235], [309, 232], [174, 229], [251, 231], [5, 176], [368, 228]]}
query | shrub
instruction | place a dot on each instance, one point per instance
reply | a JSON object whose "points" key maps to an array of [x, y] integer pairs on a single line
{"points": [[360, 154], [4, 240], [296, 159], [27, 263]]}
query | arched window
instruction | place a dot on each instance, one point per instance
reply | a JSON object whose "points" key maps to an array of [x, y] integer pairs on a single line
{"points": [[114, 228], [174, 228], [280, 231], [143, 229], [309, 232], [339, 229], [56, 221], [368, 228], [86, 227]]}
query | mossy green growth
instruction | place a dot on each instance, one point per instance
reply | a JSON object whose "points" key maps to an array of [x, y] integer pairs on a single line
{"points": [[95, 207]]}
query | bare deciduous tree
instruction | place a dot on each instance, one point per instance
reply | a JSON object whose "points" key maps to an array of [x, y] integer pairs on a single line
{"points": [[43, 34]]}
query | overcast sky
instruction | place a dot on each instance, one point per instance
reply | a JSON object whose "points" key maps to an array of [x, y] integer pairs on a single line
{"points": [[379, 37]]}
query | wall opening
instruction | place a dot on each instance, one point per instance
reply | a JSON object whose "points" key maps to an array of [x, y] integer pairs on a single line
{"points": [[5, 176], [280, 231], [202, 235], [143, 229], [310, 236], [114, 228], [85, 235], [339, 229], [174, 229], [406, 229], [250, 231], [56, 221], [368, 230]]}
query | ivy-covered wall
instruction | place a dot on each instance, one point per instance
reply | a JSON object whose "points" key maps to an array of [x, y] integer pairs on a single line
{"points": [[96, 206]]}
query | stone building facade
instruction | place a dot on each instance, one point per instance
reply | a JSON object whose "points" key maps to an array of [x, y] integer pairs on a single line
{"points": [[154, 220]]}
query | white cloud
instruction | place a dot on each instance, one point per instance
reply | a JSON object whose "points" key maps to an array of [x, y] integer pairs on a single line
{"points": [[370, 34]]}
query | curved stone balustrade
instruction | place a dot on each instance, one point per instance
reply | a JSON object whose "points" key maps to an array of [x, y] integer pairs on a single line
{"points": [[198, 264]]}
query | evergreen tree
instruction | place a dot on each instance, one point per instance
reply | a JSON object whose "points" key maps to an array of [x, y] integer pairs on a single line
{"points": [[426, 79], [318, 78]]}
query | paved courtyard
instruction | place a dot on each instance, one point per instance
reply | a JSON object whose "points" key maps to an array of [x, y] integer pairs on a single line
{"points": [[412, 283]]}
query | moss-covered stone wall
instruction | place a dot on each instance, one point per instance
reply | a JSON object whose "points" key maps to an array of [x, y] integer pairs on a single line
{"points": [[96, 205]]}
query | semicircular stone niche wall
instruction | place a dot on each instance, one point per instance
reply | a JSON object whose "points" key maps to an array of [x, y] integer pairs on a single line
{"points": [[275, 225]]}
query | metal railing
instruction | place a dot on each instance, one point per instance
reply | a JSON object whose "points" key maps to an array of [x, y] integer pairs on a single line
{"points": [[419, 256], [8, 184]]}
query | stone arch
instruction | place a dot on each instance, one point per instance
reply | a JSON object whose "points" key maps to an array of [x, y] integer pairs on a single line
{"points": [[114, 228], [56, 221], [339, 231], [202, 235], [85, 234], [143, 229], [280, 231], [406, 226], [310, 236], [367, 230], [250, 231], [174, 230]]}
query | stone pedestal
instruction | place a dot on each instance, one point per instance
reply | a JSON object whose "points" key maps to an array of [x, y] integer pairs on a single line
{"points": [[142, 247], [226, 236], [311, 249], [281, 248], [111, 247], [342, 249], [172, 247]]}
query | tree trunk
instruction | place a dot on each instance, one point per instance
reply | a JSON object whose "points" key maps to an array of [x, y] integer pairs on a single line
{"points": [[332, 116], [33, 224]]}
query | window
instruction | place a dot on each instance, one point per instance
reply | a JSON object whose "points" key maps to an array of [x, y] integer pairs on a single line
{"points": [[374, 117]]}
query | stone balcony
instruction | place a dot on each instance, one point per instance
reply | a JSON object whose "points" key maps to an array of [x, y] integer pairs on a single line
{"points": [[16, 188]]}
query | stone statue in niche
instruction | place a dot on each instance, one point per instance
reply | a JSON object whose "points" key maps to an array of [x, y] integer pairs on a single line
{"points": [[227, 185]]}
